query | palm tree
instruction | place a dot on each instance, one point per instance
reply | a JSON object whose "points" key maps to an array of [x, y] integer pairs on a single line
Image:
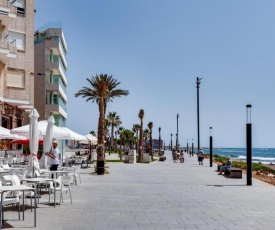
{"points": [[120, 131], [150, 126], [93, 133], [114, 121], [146, 133], [132, 140], [136, 128], [159, 140], [106, 131], [140, 150], [123, 142], [102, 91]]}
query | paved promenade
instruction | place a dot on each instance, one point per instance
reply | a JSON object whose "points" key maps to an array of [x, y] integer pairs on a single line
{"points": [[160, 195]]}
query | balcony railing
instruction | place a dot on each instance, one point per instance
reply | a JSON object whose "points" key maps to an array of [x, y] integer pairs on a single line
{"points": [[55, 58], [56, 79], [56, 101]]}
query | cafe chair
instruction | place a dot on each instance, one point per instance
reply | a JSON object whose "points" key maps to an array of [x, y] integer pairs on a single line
{"points": [[62, 185]]}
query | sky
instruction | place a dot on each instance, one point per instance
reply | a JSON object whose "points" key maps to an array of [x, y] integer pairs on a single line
{"points": [[157, 49]]}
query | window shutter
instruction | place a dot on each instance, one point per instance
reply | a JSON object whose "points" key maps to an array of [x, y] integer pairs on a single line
{"points": [[15, 79]]}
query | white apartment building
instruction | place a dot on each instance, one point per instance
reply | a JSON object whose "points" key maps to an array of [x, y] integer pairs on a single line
{"points": [[50, 63]]}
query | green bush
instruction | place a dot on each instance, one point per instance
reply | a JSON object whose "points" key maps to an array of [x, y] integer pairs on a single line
{"points": [[242, 164]]}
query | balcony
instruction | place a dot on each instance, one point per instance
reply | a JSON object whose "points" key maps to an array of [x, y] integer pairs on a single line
{"points": [[7, 12], [56, 87], [7, 51], [54, 42], [57, 109]]}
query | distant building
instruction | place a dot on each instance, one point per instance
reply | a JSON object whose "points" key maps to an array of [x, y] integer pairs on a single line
{"points": [[156, 143], [16, 61], [50, 72]]}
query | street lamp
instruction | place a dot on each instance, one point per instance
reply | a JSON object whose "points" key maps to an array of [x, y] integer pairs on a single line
{"points": [[177, 140], [198, 109], [171, 141], [187, 147], [159, 140], [211, 145], [248, 144], [192, 147]]}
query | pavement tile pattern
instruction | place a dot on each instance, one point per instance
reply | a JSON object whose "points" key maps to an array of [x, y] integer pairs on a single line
{"points": [[159, 195]]}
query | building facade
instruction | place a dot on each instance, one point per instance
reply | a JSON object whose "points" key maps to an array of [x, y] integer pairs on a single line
{"points": [[16, 61], [50, 63]]}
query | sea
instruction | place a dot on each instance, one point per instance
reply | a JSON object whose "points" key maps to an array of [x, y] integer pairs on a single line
{"points": [[262, 155]]}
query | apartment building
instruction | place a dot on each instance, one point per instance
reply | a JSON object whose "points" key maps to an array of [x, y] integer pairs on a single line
{"points": [[50, 63], [16, 61]]}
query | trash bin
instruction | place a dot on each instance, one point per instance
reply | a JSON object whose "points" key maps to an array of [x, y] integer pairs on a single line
{"points": [[100, 167]]}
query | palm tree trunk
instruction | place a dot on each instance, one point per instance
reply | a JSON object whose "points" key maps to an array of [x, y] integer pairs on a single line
{"points": [[140, 151], [120, 148], [100, 134], [151, 145], [112, 137]]}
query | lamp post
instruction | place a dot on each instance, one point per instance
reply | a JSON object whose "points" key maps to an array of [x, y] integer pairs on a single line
{"points": [[187, 147], [177, 140], [248, 145], [198, 108], [211, 145], [192, 147], [171, 141], [159, 140]]}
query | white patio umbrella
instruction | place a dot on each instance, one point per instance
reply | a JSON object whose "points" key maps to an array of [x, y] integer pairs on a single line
{"points": [[58, 132], [33, 134], [47, 143], [75, 136], [92, 138], [5, 134]]}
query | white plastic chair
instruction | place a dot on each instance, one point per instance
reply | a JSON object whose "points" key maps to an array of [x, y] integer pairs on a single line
{"points": [[62, 185], [14, 180], [73, 172], [10, 201]]}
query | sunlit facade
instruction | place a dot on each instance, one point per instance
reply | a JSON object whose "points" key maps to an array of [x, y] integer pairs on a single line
{"points": [[16, 62], [50, 62]]}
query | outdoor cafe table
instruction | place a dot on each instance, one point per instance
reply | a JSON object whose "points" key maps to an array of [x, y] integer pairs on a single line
{"points": [[22, 188], [41, 180], [55, 173]]}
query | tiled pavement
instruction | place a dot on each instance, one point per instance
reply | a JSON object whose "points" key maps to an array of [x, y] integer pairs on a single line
{"points": [[160, 195]]}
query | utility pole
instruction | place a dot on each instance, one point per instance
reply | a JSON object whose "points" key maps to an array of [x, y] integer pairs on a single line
{"points": [[177, 139], [198, 109]]}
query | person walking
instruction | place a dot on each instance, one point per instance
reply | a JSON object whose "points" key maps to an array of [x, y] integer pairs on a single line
{"points": [[54, 155], [174, 155], [200, 156]]}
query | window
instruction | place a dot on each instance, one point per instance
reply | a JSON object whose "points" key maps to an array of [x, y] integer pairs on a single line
{"points": [[17, 39], [15, 79], [20, 10]]}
